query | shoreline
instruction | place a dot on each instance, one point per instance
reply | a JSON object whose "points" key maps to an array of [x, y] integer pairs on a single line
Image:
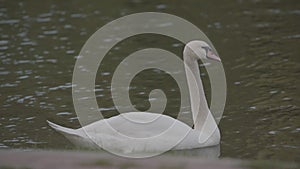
{"points": [[78, 159]]}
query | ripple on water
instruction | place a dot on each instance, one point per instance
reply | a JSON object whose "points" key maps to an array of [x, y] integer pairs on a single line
{"points": [[63, 113], [50, 32], [3, 146], [9, 21], [42, 20], [61, 87], [78, 15]]}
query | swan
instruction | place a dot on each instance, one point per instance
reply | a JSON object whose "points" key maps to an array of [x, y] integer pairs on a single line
{"points": [[204, 133]]}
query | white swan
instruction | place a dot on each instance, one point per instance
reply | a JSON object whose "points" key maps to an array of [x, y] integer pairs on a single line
{"points": [[205, 132]]}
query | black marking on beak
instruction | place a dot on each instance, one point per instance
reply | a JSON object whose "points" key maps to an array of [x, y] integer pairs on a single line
{"points": [[210, 54]]}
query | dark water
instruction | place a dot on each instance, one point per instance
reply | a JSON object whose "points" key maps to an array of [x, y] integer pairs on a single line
{"points": [[257, 40]]}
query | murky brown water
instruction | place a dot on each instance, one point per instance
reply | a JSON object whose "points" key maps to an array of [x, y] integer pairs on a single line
{"points": [[258, 42]]}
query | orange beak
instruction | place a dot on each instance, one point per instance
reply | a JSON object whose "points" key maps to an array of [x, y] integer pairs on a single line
{"points": [[211, 55]]}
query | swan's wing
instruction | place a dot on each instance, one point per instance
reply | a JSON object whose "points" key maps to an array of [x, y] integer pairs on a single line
{"points": [[138, 132]]}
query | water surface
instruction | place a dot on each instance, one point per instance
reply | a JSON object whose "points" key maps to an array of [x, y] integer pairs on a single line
{"points": [[257, 40]]}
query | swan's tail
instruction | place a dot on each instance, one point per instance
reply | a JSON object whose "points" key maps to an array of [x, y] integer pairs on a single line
{"points": [[61, 129], [76, 136]]}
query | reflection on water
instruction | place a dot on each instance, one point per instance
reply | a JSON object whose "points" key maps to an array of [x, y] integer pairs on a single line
{"points": [[257, 40]]}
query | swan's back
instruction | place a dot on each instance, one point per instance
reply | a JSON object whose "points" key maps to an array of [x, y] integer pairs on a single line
{"points": [[136, 124]]}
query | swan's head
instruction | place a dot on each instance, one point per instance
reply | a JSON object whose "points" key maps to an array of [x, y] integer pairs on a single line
{"points": [[200, 50]]}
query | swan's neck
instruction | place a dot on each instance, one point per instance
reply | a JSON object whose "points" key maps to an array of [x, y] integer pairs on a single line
{"points": [[199, 105]]}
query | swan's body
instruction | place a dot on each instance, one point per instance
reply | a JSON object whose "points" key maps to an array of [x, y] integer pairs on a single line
{"points": [[101, 133], [204, 134]]}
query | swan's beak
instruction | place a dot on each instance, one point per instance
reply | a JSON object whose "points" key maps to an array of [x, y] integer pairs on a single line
{"points": [[213, 56]]}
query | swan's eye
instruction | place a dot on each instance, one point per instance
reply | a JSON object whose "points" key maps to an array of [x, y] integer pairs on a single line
{"points": [[207, 49]]}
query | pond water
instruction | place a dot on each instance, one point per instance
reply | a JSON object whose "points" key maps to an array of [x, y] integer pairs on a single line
{"points": [[257, 40]]}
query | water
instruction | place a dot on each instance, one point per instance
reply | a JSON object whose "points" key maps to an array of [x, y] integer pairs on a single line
{"points": [[257, 40]]}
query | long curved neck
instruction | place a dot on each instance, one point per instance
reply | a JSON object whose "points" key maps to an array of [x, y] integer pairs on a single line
{"points": [[200, 110]]}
